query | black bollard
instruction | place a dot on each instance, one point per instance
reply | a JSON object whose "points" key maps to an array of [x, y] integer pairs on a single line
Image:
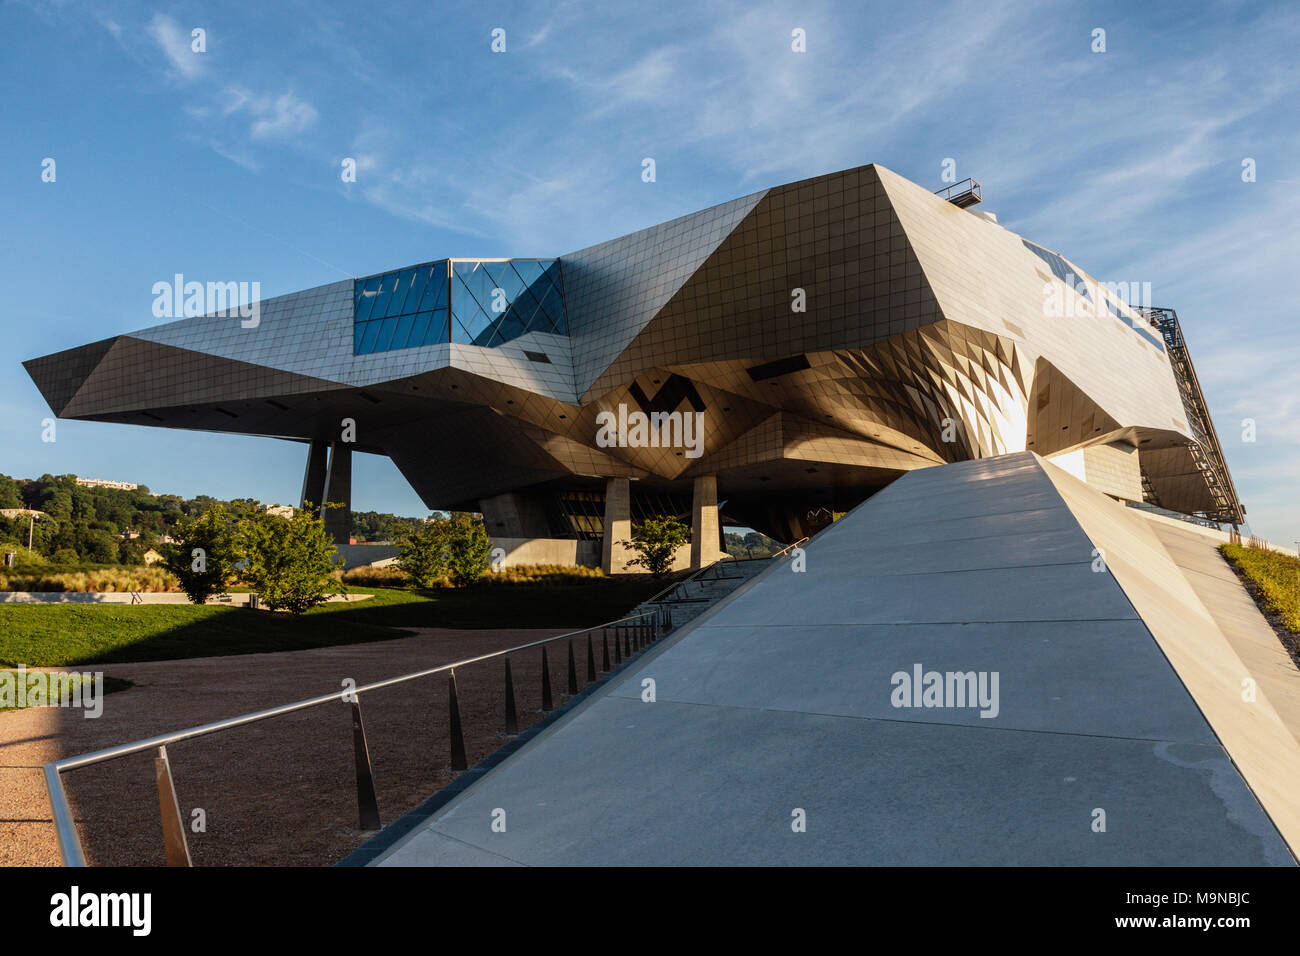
{"points": [[546, 684], [458, 761], [512, 719]]}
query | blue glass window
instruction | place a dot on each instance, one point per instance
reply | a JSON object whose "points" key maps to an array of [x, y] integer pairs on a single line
{"points": [[472, 301], [494, 302]]}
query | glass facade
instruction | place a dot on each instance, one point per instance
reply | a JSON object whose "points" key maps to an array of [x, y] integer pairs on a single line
{"points": [[496, 301], [471, 301]]}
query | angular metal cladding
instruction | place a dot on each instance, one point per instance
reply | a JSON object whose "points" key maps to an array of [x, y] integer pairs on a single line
{"points": [[832, 333]]}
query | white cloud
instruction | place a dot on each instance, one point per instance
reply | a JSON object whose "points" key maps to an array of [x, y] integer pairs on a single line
{"points": [[272, 116], [174, 41]]}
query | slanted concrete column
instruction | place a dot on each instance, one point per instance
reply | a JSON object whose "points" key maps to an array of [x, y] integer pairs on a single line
{"points": [[618, 526], [313, 481], [704, 521], [338, 488]]}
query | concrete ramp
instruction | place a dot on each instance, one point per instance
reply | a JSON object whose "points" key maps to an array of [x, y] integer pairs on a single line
{"points": [[1085, 720]]}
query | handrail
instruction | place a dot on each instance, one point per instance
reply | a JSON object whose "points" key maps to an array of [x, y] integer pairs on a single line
{"points": [[70, 843], [970, 184], [660, 599], [672, 587], [688, 579], [789, 547]]}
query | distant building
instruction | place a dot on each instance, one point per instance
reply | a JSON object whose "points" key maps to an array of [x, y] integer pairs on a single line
{"points": [[152, 556], [107, 483], [284, 511]]}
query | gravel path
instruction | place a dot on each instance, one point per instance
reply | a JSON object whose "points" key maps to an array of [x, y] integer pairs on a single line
{"points": [[278, 792]]}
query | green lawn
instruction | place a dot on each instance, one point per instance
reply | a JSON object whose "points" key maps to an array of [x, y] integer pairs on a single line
{"points": [[57, 635], [109, 685], [1274, 579]]}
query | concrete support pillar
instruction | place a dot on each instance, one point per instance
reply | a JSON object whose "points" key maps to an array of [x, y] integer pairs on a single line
{"points": [[705, 528], [313, 481], [338, 489], [618, 526]]}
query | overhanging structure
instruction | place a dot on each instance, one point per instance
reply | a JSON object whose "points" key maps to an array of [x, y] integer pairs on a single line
{"points": [[830, 335]]}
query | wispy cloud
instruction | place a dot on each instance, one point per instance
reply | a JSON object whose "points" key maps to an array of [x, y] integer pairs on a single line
{"points": [[272, 116], [175, 43]]}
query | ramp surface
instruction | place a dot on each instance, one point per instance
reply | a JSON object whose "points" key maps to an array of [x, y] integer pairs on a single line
{"points": [[783, 703]]}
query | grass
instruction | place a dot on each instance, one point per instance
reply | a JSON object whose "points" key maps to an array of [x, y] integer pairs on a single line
{"points": [[117, 579], [392, 576], [109, 685], [59, 635], [1274, 578]]}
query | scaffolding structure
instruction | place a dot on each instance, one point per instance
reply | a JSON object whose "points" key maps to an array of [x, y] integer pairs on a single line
{"points": [[1206, 451]]}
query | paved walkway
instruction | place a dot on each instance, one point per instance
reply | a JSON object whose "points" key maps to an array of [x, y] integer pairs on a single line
{"points": [[776, 735], [277, 793]]}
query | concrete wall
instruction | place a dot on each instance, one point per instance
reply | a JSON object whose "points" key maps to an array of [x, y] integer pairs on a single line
{"points": [[1112, 469], [681, 561], [565, 551], [569, 552]]}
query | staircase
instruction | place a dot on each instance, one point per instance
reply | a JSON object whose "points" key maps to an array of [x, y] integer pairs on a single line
{"points": [[1206, 451], [685, 601]]}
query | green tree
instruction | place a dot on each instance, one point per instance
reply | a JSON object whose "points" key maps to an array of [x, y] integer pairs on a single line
{"points": [[290, 562], [655, 541], [24, 558], [9, 495], [204, 561], [423, 552], [130, 553], [468, 547], [99, 546]]}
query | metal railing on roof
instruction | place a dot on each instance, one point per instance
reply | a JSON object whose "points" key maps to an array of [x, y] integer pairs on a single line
{"points": [[631, 635], [965, 193]]}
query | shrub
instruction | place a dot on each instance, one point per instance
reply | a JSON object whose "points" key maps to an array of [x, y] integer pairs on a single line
{"points": [[24, 557], [423, 553], [290, 562], [149, 580], [655, 541], [1274, 577], [454, 549], [205, 563], [468, 547], [390, 576], [544, 574]]}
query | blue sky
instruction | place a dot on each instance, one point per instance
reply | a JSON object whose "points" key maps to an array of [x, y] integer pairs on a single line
{"points": [[225, 165]]}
